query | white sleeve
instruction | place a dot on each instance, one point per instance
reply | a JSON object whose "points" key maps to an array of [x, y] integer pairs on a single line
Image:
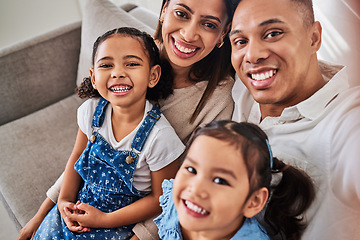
{"points": [[345, 159], [164, 148], [85, 114]]}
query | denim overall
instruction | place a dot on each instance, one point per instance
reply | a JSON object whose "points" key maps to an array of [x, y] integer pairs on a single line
{"points": [[108, 179]]}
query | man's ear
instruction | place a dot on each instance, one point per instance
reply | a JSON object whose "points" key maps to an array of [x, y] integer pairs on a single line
{"points": [[155, 74], [92, 77], [256, 202], [316, 31]]}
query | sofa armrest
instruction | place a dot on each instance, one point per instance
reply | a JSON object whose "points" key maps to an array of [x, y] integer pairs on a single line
{"points": [[38, 72]]}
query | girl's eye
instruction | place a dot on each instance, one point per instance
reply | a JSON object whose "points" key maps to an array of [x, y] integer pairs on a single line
{"points": [[191, 170], [105, 65], [132, 64], [273, 34], [221, 181]]}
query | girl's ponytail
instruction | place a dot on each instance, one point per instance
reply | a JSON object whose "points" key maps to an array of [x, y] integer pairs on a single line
{"points": [[288, 200]]}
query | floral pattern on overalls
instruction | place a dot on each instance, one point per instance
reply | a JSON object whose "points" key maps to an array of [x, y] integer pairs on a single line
{"points": [[108, 179]]}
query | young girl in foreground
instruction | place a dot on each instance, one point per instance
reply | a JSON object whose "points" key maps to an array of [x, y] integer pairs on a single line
{"points": [[224, 182], [130, 147]]}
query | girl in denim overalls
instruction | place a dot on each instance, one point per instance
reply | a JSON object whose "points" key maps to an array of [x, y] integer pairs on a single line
{"points": [[124, 149]]}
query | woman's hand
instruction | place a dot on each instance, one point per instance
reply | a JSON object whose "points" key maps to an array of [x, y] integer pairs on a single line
{"points": [[87, 215]]}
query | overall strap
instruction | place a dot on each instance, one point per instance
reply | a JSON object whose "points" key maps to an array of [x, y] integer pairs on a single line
{"points": [[146, 126], [99, 114]]}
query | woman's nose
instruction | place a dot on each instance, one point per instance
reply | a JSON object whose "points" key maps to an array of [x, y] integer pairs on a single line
{"points": [[189, 31]]}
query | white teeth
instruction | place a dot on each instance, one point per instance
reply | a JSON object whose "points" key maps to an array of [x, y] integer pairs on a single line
{"points": [[263, 76], [195, 208], [184, 49], [120, 89]]}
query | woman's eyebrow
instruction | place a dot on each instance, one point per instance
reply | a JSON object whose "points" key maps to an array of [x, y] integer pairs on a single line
{"points": [[203, 16]]}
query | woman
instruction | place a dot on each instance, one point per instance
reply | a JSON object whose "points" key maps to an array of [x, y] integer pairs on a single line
{"points": [[193, 39]]}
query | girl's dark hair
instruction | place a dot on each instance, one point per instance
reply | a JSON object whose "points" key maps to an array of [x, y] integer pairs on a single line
{"points": [[290, 198], [215, 67], [161, 90]]}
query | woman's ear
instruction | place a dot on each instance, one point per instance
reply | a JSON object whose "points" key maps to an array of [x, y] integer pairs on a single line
{"points": [[256, 202], [92, 76], [155, 74], [163, 10], [223, 34]]}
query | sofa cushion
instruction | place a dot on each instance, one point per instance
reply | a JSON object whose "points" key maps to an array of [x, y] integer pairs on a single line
{"points": [[99, 16], [34, 150]]}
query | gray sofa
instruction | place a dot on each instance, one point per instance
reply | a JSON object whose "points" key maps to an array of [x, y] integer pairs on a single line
{"points": [[38, 111]]}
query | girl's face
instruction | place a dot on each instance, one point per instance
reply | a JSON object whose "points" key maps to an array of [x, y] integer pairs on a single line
{"points": [[211, 188], [190, 30], [122, 71]]}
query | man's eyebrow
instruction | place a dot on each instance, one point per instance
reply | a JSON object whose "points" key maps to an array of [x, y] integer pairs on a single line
{"points": [[234, 32], [204, 16], [262, 24], [270, 21]]}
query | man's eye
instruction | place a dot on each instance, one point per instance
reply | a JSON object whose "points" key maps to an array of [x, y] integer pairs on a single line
{"points": [[238, 42], [221, 181], [273, 34], [191, 170]]}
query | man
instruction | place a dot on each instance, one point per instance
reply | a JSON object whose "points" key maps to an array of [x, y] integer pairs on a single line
{"points": [[310, 114]]}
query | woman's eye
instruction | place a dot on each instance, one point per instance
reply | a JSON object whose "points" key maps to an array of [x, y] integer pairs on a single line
{"points": [[221, 181], [181, 14], [210, 25], [191, 170]]}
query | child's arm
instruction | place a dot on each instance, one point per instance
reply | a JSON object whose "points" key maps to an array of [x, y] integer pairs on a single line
{"points": [[28, 231], [138, 211], [71, 182]]}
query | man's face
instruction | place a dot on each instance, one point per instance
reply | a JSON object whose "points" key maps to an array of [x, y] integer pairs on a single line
{"points": [[273, 51]]}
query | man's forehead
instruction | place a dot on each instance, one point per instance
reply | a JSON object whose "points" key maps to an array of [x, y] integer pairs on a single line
{"points": [[259, 13]]}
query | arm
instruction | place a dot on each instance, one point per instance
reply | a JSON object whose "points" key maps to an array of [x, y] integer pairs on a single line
{"points": [[71, 182], [28, 231], [140, 210]]}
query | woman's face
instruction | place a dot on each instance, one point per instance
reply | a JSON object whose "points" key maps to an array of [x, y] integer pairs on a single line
{"points": [[191, 29]]}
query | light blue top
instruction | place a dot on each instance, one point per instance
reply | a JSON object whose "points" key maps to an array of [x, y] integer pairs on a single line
{"points": [[169, 227]]}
